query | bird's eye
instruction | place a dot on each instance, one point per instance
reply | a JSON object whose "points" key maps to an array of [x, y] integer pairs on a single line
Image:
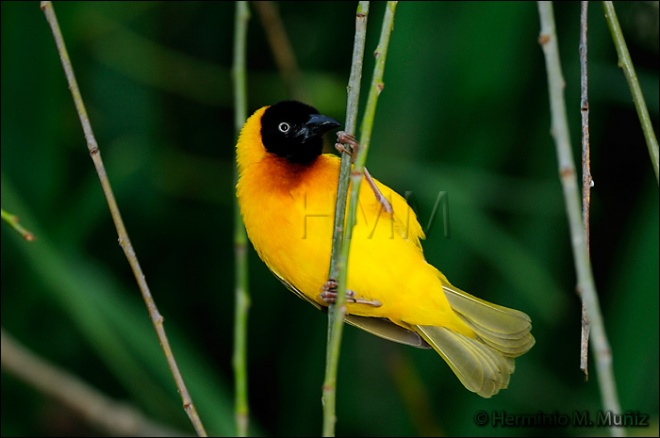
{"points": [[284, 127]]}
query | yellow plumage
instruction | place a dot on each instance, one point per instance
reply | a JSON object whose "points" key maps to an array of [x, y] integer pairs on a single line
{"points": [[288, 208]]}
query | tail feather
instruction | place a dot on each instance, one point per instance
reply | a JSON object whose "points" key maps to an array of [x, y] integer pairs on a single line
{"points": [[476, 365], [483, 363], [506, 330]]}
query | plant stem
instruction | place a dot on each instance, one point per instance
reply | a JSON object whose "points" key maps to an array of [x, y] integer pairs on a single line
{"points": [[124, 241], [586, 173], [626, 63], [336, 311], [356, 175], [560, 132], [241, 291], [13, 222], [115, 418]]}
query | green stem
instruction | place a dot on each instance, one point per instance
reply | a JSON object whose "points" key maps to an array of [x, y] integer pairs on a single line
{"points": [[241, 293], [356, 175], [638, 98], [599, 342], [336, 311], [376, 88]]}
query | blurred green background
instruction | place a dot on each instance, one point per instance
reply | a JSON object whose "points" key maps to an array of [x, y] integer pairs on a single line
{"points": [[464, 111]]}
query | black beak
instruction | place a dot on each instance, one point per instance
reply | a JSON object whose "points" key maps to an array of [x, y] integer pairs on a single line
{"points": [[316, 126]]}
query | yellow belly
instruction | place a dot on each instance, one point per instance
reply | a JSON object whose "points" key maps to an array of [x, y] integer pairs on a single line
{"points": [[386, 263]]}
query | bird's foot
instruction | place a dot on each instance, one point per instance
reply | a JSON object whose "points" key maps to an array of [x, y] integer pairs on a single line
{"points": [[343, 139], [329, 295]]}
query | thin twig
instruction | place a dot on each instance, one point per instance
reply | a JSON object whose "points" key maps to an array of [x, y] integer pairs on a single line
{"points": [[599, 343], [13, 222], [241, 293], [586, 173], [337, 311], [124, 240], [625, 62], [355, 179], [281, 48], [377, 86], [115, 418]]}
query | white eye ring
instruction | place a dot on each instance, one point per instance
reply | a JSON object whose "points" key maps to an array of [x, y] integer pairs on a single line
{"points": [[284, 127]]}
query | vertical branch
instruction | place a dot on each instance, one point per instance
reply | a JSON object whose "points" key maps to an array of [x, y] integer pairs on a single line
{"points": [[586, 173], [241, 292], [356, 174], [560, 132], [359, 169], [376, 88], [124, 241], [336, 311], [638, 98]]}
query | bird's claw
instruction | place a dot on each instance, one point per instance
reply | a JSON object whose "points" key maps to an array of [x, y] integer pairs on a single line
{"points": [[343, 139], [329, 295]]}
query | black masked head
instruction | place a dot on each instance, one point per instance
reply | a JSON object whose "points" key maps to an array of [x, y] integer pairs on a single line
{"points": [[294, 131]]}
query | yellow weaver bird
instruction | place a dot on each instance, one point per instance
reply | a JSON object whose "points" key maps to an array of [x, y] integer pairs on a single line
{"points": [[287, 190]]}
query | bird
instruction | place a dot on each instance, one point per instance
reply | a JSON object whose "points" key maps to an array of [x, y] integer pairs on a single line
{"points": [[287, 190]]}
